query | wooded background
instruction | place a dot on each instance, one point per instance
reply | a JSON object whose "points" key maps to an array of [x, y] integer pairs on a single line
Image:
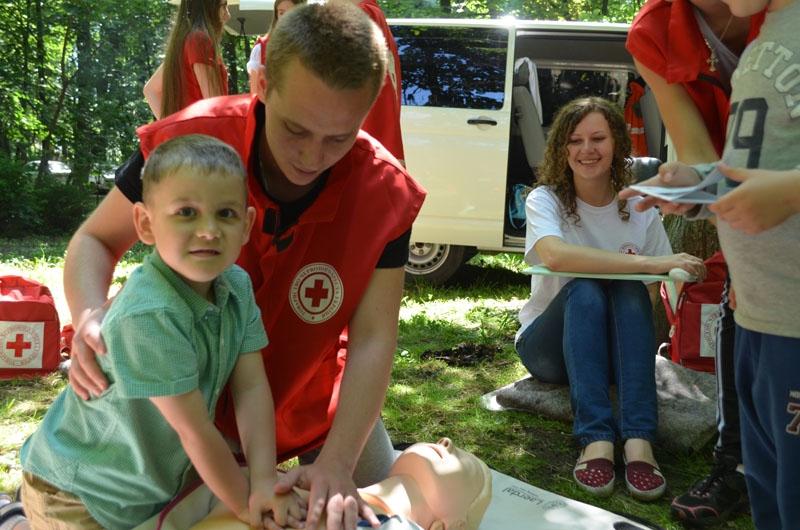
{"points": [[73, 70]]}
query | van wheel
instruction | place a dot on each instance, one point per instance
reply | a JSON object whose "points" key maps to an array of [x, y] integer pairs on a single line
{"points": [[435, 262]]}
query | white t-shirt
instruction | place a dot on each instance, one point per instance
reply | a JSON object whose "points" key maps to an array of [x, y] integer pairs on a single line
{"points": [[600, 227], [255, 59]]}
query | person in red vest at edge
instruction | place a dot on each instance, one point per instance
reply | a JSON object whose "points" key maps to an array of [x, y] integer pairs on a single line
{"points": [[333, 222], [259, 50], [383, 121], [686, 51]]}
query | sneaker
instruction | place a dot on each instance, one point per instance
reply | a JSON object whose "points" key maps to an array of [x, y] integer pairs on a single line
{"points": [[713, 499]]}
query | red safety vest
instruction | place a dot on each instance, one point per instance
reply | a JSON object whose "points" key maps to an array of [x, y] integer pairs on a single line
{"points": [[309, 280], [635, 121]]}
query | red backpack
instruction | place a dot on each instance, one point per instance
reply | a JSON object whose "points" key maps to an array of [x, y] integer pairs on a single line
{"points": [[693, 312], [30, 333]]}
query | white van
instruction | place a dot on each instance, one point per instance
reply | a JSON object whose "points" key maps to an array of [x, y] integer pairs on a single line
{"points": [[474, 125]]}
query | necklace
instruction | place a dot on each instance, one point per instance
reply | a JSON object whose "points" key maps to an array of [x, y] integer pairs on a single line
{"points": [[712, 59]]}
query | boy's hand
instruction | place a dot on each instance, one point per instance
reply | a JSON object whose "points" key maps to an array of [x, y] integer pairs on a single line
{"points": [[764, 198], [275, 511], [671, 174], [85, 375]]}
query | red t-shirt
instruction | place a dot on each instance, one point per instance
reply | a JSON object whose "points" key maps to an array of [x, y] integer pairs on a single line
{"points": [[199, 49], [665, 38]]}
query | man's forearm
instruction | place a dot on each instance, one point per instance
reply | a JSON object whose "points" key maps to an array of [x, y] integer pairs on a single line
{"points": [[361, 398], [88, 272]]}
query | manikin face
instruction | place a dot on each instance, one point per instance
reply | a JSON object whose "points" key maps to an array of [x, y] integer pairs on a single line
{"points": [[310, 126], [198, 223], [590, 149], [453, 482]]}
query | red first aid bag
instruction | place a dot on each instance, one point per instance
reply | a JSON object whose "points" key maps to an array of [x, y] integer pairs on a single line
{"points": [[30, 332], [693, 312]]}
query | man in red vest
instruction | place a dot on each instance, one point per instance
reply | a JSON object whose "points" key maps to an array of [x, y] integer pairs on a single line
{"points": [[334, 214]]}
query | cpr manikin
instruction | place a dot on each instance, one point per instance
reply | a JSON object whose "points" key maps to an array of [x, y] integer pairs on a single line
{"points": [[438, 486]]}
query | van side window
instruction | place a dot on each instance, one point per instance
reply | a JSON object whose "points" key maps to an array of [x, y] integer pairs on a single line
{"points": [[559, 85], [453, 67]]}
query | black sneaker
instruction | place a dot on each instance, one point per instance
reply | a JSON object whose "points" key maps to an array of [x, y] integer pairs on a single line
{"points": [[713, 499]]}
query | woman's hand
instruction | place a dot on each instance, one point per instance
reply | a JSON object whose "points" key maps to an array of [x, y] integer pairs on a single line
{"points": [[691, 264]]}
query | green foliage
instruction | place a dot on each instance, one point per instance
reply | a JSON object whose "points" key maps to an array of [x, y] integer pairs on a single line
{"points": [[73, 72], [17, 206], [62, 207], [48, 207]]}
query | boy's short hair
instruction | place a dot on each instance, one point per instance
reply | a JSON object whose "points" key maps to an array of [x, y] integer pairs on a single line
{"points": [[196, 152], [335, 40]]}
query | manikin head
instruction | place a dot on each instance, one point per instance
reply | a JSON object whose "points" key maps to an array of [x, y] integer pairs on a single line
{"points": [[447, 488]]}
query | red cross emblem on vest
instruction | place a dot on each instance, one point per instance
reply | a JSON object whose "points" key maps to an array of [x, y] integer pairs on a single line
{"points": [[316, 293]]}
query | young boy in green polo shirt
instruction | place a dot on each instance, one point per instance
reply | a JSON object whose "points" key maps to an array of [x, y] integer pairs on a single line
{"points": [[184, 323]]}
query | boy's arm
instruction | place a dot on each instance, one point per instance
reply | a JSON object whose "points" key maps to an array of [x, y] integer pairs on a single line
{"points": [[255, 417], [764, 198], [211, 456]]}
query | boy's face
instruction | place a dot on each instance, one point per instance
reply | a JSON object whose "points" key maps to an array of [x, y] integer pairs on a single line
{"points": [[310, 126], [198, 223]]}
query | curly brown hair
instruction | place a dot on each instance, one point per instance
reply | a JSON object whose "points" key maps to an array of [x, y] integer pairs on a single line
{"points": [[554, 170]]}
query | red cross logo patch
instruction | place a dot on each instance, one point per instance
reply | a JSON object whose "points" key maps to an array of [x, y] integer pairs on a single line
{"points": [[316, 293], [630, 248], [21, 344]]}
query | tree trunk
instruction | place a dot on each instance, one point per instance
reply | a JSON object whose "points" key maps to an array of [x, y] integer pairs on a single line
{"points": [[47, 142], [40, 54], [698, 238]]}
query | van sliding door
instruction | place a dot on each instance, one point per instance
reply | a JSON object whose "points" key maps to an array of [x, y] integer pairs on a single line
{"points": [[455, 122]]}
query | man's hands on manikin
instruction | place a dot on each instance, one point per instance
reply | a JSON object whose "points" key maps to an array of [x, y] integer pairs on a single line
{"points": [[331, 492]]}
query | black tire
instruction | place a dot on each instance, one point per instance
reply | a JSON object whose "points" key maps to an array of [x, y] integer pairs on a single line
{"points": [[436, 263]]}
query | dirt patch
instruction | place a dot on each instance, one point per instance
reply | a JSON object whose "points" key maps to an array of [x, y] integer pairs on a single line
{"points": [[465, 354]]}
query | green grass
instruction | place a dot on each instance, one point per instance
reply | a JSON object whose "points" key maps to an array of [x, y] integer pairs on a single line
{"points": [[428, 397]]}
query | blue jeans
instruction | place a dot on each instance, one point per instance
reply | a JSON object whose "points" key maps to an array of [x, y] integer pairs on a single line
{"points": [[593, 334]]}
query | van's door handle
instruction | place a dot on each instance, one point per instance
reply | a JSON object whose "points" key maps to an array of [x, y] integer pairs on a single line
{"points": [[481, 121]]}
